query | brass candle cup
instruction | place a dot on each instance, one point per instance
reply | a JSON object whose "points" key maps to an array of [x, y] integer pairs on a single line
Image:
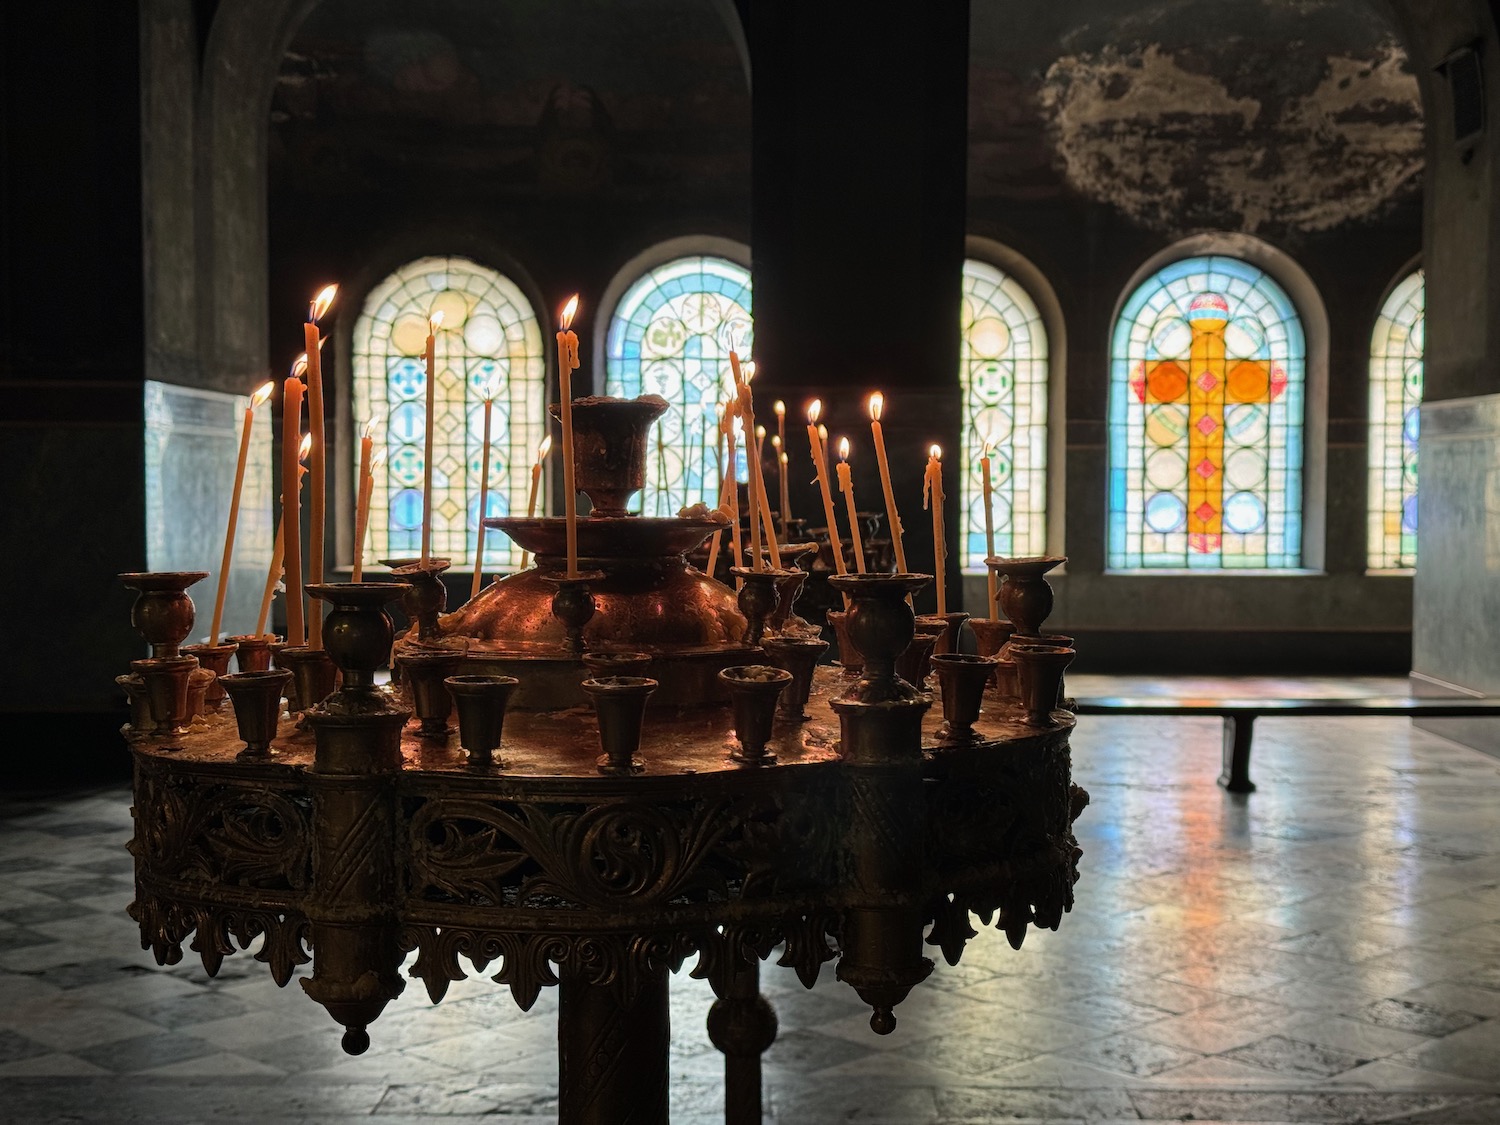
{"points": [[601, 664], [609, 448], [851, 660], [573, 604], [426, 671], [620, 705], [758, 598], [162, 613], [798, 655], [754, 692], [914, 662], [881, 625], [795, 559], [425, 597], [216, 659], [256, 700], [254, 653], [962, 679], [1039, 673], [167, 680], [314, 674], [1025, 593], [481, 702], [200, 681], [948, 627], [140, 704], [989, 638]]}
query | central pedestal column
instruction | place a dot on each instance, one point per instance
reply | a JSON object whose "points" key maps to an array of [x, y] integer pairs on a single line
{"points": [[612, 1047]]}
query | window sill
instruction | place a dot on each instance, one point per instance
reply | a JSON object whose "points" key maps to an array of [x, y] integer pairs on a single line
{"points": [[1233, 572]]}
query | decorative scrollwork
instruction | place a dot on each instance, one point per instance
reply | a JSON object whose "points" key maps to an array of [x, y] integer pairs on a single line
{"points": [[166, 925]]}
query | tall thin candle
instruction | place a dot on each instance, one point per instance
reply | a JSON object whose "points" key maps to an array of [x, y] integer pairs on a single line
{"points": [[752, 461], [291, 514], [567, 363], [732, 484], [820, 466], [433, 324], [932, 495], [362, 512], [892, 516], [778, 408], [484, 489], [317, 463], [536, 480], [256, 399], [278, 552], [991, 589], [846, 486]]}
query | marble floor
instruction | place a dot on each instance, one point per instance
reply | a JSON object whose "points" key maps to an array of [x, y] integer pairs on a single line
{"points": [[1325, 950]]}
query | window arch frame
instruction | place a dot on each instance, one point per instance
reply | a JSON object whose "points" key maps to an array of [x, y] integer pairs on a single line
{"points": [[400, 252], [1014, 264], [1411, 268], [1307, 301], [634, 270]]}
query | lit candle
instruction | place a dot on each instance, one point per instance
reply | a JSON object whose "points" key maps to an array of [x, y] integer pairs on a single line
{"points": [[760, 504], [932, 495], [536, 482], [278, 552], [846, 486], [317, 512], [362, 511], [256, 399], [433, 324], [989, 531], [752, 460], [567, 363], [484, 488], [291, 430], [892, 516], [732, 486], [820, 466], [778, 408]]}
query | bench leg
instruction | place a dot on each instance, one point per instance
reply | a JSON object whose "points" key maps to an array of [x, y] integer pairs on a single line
{"points": [[1238, 730]]}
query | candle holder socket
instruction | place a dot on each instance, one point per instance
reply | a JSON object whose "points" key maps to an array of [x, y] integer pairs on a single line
{"points": [[914, 662], [1025, 593], [314, 675], [167, 680], [216, 659], [426, 596], [620, 705], [949, 627], [609, 448], [200, 681], [962, 679], [754, 692], [427, 669], [1039, 672], [758, 598], [256, 700], [163, 611], [881, 625], [850, 658], [358, 632], [601, 664], [784, 618], [573, 604], [254, 653], [481, 702], [799, 656], [141, 721]]}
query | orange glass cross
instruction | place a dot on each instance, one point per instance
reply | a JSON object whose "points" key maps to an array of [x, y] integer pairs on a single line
{"points": [[1210, 381]]}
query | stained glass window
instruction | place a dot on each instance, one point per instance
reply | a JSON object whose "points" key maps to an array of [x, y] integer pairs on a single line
{"points": [[489, 338], [671, 335], [1003, 379], [1395, 402], [1206, 399]]}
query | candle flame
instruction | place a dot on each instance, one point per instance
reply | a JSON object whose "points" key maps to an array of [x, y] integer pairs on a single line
{"points": [[877, 406], [988, 445], [369, 430], [748, 370], [305, 447], [434, 322], [775, 440], [490, 389], [377, 460], [784, 460], [936, 452], [299, 366], [321, 302], [760, 433], [843, 449], [823, 433], [778, 408], [566, 320], [544, 449], [260, 397], [814, 411]]}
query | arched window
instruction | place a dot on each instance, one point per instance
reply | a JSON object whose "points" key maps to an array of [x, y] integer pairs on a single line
{"points": [[1395, 402], [489, 338], [1003, 363], [1206, 403], [670, 335]]}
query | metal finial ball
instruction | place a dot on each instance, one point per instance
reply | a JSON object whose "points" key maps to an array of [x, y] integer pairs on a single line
{"points": [[356, 1040], [883, 1021]]}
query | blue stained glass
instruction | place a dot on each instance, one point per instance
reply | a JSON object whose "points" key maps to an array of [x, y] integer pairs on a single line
{"points": [[1205, 421], [665, 337], [1396, 372]]}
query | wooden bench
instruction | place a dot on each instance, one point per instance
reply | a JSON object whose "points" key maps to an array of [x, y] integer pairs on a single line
{"points": [[1239, 717]]}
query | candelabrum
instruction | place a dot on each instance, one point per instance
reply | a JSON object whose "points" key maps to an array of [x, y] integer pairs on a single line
{"points": [[663, 790]]}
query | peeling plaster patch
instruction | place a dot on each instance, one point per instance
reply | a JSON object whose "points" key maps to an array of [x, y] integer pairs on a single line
{"points": [[1173, 148]]}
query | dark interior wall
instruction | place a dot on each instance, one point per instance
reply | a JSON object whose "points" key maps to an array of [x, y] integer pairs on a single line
{"points": [[70, 348], [1102, 133]]}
